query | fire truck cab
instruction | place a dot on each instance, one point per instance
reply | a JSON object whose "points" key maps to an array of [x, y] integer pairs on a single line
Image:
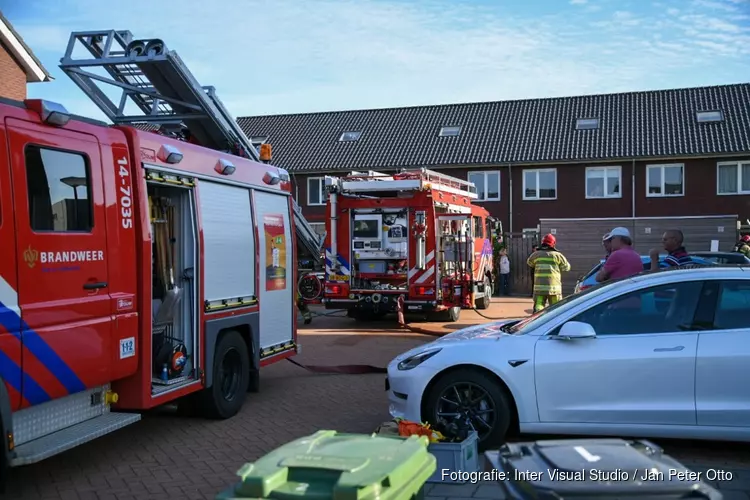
{"points": [[415, 235]]}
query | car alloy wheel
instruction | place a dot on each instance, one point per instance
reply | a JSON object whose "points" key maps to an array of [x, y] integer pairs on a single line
{"points": [[469, 405]]}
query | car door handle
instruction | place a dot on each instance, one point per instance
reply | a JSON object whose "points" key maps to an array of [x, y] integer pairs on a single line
{"points": [[95, 286], [669, 349]]}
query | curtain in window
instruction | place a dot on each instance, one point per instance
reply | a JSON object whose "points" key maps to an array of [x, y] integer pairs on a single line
{"points": [[728, 179]]}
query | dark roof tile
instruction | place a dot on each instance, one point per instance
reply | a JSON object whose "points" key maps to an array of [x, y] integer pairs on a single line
{"points": [[660, 123]]}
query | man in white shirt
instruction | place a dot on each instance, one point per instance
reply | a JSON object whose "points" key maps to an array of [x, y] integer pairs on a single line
{"points": [[504, 273]]}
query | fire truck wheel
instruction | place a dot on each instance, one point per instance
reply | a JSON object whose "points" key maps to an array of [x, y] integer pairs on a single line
{"points": [[231, 377], [450, 315], [486, 300], [254, 384], [482, 402]]}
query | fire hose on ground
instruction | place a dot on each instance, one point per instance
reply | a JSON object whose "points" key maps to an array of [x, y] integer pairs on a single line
{"points": [[364, 368]]}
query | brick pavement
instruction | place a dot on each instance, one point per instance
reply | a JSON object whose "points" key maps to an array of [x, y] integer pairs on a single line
{"points": [[166, 456]]}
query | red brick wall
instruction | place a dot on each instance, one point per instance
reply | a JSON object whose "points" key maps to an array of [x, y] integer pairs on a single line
{"points": [[13, 84], [700, 196]]}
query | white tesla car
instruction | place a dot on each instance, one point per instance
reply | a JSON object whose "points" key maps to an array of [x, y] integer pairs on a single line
{"points": [[663, 354]]}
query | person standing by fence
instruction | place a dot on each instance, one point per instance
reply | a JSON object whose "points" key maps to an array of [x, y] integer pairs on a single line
{"points": [[548, 265], [504, 273]]}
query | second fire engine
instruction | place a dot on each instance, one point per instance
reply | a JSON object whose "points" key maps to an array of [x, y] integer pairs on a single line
{"points": [[414, 236]]}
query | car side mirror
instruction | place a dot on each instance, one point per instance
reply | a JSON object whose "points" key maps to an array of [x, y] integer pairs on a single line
{"points": [[576, 330]]}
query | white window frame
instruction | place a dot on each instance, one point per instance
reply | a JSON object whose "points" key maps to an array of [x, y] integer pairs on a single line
{"points": [[661, 166], [322, 191], [739, 164], [606, 169], [484, 173], [537, 171]]}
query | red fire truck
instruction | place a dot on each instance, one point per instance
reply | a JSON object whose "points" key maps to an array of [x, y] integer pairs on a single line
{"points": [[415, 234], [134, 264]]}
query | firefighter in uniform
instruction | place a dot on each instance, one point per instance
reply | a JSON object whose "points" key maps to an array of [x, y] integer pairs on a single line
{"points": [[548, 264], [743, 246]]}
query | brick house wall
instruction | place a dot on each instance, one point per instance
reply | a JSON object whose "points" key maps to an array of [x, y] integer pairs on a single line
{"points": [[13, 85], [699, 192]]}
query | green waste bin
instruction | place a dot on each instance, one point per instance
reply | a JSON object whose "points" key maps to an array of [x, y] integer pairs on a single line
{"points": [[332, 466]]}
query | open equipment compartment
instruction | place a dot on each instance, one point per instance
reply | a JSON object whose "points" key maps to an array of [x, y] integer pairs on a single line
{"points": [[174, 287]]}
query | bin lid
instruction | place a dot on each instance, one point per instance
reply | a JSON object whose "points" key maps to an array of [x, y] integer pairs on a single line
{"points": [[331, 465]]}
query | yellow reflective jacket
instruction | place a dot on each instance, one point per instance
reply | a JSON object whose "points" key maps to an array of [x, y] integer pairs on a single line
{"points": [[548, 266]]}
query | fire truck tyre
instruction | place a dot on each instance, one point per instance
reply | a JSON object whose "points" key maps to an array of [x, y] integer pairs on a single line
{"points": [[254, 383], [486, 300], [474, 395], [453, 314], [231, 377]]}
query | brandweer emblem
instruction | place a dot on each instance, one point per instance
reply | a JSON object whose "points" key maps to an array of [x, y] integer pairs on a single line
{"points": [[30, 256]]}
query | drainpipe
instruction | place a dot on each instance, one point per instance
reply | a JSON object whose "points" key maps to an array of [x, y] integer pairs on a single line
{"points": [[632, 189], [510, 198]]}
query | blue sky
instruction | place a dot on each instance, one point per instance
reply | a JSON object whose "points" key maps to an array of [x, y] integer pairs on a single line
{"points": [[295, 56]]}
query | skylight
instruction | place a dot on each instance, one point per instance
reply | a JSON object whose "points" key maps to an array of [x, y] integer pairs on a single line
{"points": [[709, 116], [587, 123], [350, 136], [452, 131]]}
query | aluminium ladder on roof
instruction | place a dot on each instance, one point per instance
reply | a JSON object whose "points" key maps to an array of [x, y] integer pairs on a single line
{"points": [[165, 92], [405, 180]]}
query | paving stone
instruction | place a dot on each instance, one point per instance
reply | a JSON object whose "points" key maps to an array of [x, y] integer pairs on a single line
{"points": [[454, 490], [490, 490]]}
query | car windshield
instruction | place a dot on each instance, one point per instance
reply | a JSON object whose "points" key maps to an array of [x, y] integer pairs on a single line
{"points": [[548, 313]]}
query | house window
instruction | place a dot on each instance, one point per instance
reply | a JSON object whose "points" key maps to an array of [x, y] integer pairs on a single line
{"points": [[315, 191], [350, 136], [258, 140], [59, 188], [487, 184], [540, 184], [449, 131], [665, 180], [603, 182], [587, 123], [733, 177], [709, 116]]}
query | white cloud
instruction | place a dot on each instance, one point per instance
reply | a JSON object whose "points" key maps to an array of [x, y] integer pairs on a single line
{"points": [[280, 56]]}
